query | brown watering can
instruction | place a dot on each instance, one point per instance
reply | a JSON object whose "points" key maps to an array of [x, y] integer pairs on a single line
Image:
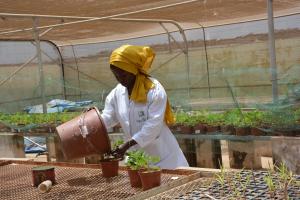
{"points": [[84, 135]]}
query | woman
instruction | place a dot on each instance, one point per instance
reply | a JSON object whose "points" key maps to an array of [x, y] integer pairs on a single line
{"points": [[139, 103]]}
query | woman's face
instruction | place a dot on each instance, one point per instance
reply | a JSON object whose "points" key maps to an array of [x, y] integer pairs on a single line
{"points": [[125, 78]]}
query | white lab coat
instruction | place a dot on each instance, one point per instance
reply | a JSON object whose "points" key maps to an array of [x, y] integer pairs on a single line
{"points": [[145, 124]]}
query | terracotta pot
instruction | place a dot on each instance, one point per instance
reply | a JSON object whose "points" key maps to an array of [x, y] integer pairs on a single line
{"points": [[296, 133], [150, 179], [4, 128], [283, 132], [186, 129], [84, 135], [200, 128], [173, 127], [41, 174], [242, 131], [228, 129], [40, 129], [134, 177], [256, 131], [212, 128], [110, 168]]}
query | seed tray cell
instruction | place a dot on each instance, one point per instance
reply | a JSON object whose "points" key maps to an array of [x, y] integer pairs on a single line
{"points": [[203, 187], [71, 183]]}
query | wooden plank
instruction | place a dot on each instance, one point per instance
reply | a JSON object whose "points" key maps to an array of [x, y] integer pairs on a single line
{"points": [[205, 153], [225, 154], [11, 145], [14, 159]]}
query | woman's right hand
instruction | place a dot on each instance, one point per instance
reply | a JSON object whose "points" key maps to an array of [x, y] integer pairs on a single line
{"points": [[120, 151]]}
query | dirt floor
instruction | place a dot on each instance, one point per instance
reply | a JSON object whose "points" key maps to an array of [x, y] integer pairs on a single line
{"points": [[188, 14]]}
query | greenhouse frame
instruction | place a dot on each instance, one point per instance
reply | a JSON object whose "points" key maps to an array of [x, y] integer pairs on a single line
{"points": [[230, 70]]}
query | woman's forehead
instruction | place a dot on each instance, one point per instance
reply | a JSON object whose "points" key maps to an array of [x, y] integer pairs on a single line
{"points": [[118, 70]]}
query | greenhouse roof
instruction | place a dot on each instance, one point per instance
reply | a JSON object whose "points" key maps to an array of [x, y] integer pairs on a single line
{"points": [[96, 23]]}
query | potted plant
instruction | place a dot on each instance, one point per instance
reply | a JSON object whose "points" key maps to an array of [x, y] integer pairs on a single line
{"points": [[230, 117], [109, 163], [185, 122], [151, 175], [200, 125], [213, 121], [255, 120], [281, 121], [136, 161], [242, 127]]}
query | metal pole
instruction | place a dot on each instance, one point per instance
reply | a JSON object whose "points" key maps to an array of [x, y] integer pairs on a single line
{"points": [[188, 72], [206, 57], [39, 56], [169, 36], [19, 69], [78, 75], [272, 52]]}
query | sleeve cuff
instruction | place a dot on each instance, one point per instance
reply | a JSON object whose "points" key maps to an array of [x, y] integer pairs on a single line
{"points": [[139, 140]]}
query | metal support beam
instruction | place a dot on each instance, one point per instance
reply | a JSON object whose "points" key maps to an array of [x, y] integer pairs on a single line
{"points": [[40, 63], [272, 52], [206, 57], [17, 70], [169, 36], [82, 19], [112, 17], [78, 74]]}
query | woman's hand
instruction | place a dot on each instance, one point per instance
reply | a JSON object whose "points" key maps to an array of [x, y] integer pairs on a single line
{"points": [[120, 151]]}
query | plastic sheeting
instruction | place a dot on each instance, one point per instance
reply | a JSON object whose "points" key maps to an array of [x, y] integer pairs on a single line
{"points": [[58, 105]]}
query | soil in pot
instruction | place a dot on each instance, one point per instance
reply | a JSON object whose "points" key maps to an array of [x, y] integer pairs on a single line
{"points": [[200, 128], [150, 179], [257, 131], [174, 127], [186, 129], [4, 128], [134, 177], [40, 129], [283, 132], [212, 129], [109, 168], [227, 130], [242, 131]]}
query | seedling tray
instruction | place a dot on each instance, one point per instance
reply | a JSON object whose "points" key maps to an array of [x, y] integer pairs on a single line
{"points": [[211, 189]]}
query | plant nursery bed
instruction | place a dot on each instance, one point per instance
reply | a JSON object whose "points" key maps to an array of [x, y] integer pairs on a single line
{"points": [[80, 181], [256, 188]]}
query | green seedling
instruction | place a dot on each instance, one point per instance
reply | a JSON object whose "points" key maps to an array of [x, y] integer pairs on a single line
{"points": [[286, 178], [245, 185], [271, 184], [117, 143], [136, 160], [220, 178], [140, 160]]}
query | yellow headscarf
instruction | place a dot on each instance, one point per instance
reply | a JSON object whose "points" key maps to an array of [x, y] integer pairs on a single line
{"points": [[137, 60]]}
